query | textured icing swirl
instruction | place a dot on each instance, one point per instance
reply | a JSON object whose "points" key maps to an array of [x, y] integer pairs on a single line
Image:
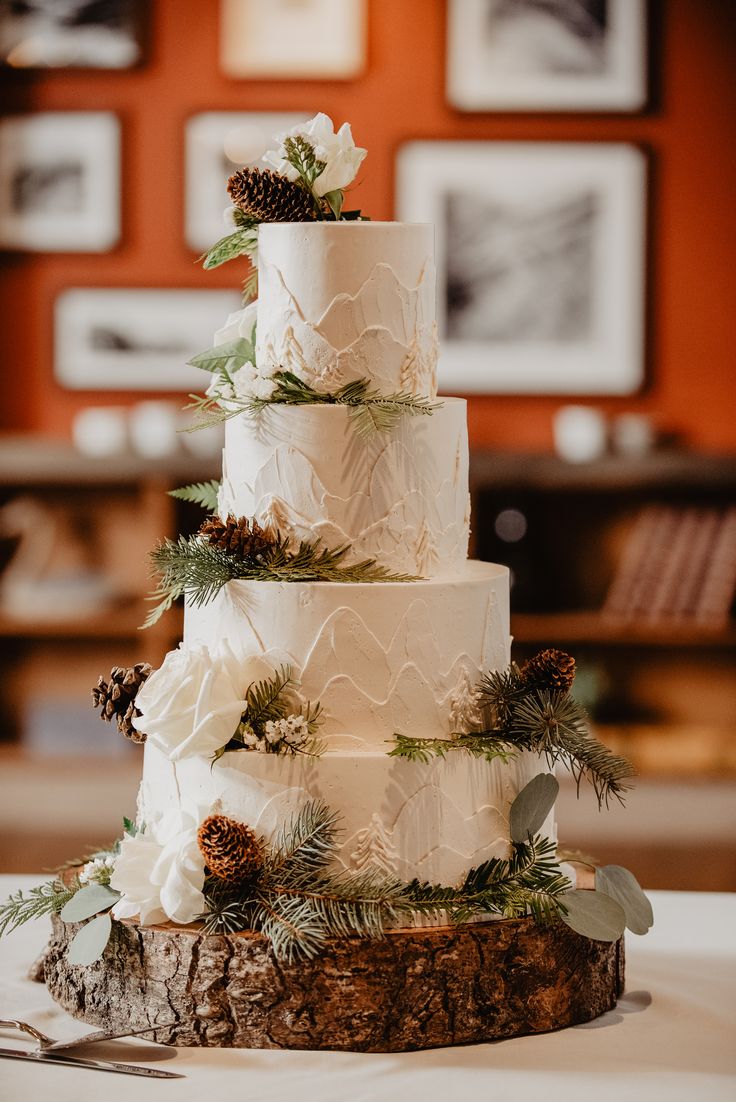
{"points": [[340, 301], [401, 498]]}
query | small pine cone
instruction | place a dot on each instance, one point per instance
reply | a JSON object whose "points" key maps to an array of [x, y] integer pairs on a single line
{"points": [[550, 669], [116, 698], [231, 850], [240, 537], [269, 197]]}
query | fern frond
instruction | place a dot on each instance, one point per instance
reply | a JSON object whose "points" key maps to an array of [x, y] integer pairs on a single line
{"points": [[262, 697], [199, 493], [46, 899], [482, 745]]}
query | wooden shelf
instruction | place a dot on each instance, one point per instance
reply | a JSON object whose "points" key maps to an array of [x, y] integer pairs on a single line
{"points": [[123, 622], [592, 627]]}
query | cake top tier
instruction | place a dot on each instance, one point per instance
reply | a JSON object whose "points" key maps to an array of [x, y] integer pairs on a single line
{"points": [[342, 301]]}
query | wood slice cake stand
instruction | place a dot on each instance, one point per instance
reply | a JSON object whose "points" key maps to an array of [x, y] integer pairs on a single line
{"points": [[418, 988]]}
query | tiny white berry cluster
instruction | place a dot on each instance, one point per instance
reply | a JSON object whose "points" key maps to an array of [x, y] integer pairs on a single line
{"points": [[100, 869], [290, 734]]}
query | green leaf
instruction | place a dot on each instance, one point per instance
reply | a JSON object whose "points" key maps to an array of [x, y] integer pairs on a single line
{"points": [[226, 358], [89, 943], [129, 826], [88, 901], [334, 201], [620, 884], [593, 915], [532, 806], [240, 243], [199, 493]]}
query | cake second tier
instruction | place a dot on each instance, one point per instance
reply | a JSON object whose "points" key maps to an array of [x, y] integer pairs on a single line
{"points": [[399, 497], [381, 658]]}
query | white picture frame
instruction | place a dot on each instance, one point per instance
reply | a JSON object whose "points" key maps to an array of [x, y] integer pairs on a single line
{"points": [[540, 262], [136, 338], [564, 55], [218, 143], [75, 34], [60, 181], [293, 39]]}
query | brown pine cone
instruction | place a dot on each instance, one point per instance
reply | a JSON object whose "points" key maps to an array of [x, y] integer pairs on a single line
{"points": [[231, 850], [240, 537], [116, 698], [550, 669], [269, 197]]}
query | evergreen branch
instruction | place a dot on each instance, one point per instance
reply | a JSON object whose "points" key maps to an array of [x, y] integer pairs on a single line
{"points": [[304, 846], [191, 566], [250, 286], [46, 899], [262, 697], [199, 493], [482, 745]]}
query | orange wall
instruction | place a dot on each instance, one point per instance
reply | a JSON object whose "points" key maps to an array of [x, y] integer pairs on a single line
{"points": [[689, 131]]}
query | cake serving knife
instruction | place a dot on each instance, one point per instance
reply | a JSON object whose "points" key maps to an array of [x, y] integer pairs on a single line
{"points": [[94, 1065]]}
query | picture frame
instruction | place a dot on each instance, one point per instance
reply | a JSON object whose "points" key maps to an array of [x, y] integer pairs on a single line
{"points": [[136, 339], [293, 39], [218, 143], [540, 262], [60, 181], [75, 34], [564, 55]]}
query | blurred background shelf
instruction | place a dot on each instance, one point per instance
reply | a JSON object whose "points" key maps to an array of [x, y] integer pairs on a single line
{"points": [[591, 627]]}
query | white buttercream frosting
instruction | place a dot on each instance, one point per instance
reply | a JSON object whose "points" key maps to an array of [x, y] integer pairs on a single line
{"points": [[399, 497], [430, 820], [340, 301], [381, 657]]}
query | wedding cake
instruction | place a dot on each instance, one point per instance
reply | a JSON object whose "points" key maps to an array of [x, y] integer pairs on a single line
{"points": [[345, 834]]}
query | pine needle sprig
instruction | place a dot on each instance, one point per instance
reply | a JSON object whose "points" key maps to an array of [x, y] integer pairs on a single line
{"points": [[482, 745], [191, 566], [262, 697], [46, 899], [199, 493]]}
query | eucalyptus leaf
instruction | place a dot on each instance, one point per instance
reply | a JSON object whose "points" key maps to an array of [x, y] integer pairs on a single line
{"points": [[225, 358], [88, 944], [594, 915], [227, 248], [88, 901], [334, 201], [620, 884], [532, 806]]}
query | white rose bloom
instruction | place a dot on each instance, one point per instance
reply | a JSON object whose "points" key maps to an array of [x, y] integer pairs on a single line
{"points": [[160, 872], [239, 324], [193, 703], [338, 150]]}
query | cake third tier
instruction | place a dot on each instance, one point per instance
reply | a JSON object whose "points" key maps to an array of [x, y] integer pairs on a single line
{"points": [[342, 301]]}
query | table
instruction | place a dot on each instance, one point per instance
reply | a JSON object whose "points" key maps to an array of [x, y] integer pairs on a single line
{"points": [[672, 1037]]}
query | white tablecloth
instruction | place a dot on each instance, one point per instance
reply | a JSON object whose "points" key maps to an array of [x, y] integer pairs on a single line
{"points": [[672, 1037]]}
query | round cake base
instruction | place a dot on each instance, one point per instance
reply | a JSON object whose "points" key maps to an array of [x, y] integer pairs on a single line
{"points": [[414, 989]]}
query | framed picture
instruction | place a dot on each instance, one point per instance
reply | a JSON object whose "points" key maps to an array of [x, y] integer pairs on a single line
{"points": [[60, 181], [136, 339], [85, 34], [540, 262], [547, 55], [217, 144], [293, 39]]}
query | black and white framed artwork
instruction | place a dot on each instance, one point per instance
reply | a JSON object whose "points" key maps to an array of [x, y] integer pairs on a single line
{"points": [[217, 144], [65, 34], [60, 181], [136, 338], [547, 55], [540, 262]]}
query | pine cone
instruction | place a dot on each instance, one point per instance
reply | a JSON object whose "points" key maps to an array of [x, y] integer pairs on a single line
{"points": [[270, 197], [231, 850], [550, 669], [238, 536], [117, 697]]}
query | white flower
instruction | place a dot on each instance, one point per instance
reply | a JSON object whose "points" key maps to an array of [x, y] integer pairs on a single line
{"points": [[293, 730], [263, 388], [243, 380], [160, 872], [240, 324], [98, 869], [193, 703], [338, 150]]}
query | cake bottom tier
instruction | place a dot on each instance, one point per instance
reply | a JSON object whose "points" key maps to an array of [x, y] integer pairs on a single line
{"points": [[413, 989], [432, 820]]}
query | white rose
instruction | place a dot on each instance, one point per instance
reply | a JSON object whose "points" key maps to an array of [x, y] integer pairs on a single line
{"points": [[160, 872], [338, 150], [193, 703], [239, 324]]}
